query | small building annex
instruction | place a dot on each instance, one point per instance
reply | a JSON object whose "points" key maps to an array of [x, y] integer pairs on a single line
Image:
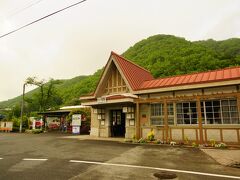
{"points": [[129, 102]]}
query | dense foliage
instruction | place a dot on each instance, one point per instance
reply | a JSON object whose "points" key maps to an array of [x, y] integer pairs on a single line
{"points": [[163, 55], [166, 55]]}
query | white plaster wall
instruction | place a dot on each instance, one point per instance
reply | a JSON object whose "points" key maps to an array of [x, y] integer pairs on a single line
{"points": [[158, 134], [94, 132], [143, 96], [188, 92], [190, 134], [228, 89], [213, 134], [145, 131], [130, 132], [176, 134], [160, 95], [103, 132], [230, 135]]}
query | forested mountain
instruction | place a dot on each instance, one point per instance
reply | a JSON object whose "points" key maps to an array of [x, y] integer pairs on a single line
{"points": [[166, 55], [163, 55]]}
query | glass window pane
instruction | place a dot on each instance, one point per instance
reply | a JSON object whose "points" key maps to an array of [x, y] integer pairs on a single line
{"points": [[217, 121], [234, 114], [193, 104], [186, 120], [209, 121], [224, 102], [233, 108], [233, 102], [235, 121], [225, 108], [226, 120], [179, 121], [194, 121], [170, 121], [216, 103], [208, 103]]}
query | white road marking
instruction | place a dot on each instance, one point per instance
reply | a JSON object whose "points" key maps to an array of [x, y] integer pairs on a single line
{"points": [[155, 168], [32, 159], [1, 158]]}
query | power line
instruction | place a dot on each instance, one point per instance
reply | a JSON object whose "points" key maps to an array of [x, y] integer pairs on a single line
{"points": [[33, 22]]}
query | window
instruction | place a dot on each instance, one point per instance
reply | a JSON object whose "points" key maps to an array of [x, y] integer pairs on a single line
{"points": [[220, 111], [157, 114], [187, 113], [101, 116]]}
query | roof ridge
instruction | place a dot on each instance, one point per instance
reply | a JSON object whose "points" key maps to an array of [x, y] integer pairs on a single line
{"points": [[231, 67], [112, 52]]}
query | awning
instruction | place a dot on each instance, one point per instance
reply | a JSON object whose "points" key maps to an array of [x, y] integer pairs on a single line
{"points": [[57, 113]]}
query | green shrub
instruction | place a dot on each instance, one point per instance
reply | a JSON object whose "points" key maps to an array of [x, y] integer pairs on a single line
{"points": [[221, 145], [213, 142], [150, 136], [194, 144], [37, 131], [186, 140], [142, 141]]}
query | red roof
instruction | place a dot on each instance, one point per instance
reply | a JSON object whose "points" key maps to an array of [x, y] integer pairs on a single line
{"points": [[134, 74], [141, 79], [196, 78]]}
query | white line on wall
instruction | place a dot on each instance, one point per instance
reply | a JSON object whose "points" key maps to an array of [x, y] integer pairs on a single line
{"points": [[155, 168]]}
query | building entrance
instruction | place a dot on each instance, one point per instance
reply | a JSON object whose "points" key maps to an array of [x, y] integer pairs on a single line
{"points": [[117, 123]]}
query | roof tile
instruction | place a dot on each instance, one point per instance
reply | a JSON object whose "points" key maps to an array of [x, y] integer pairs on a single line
{"points": [[134, 74], [196, 78]]}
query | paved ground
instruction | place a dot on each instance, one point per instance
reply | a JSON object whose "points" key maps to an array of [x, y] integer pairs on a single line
{"points": [[224, 156], [48, 156]]}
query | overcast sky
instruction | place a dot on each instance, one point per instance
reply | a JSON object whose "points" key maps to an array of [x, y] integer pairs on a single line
{"points": [[79, 40]]}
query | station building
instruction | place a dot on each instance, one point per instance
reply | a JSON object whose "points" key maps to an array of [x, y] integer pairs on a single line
{"points": [[128, 102]]}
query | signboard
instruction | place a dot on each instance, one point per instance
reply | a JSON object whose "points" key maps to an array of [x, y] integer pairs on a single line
{"points": [[76, 129], [76, 119], [101, 100], [34, 124], [76, 123]]}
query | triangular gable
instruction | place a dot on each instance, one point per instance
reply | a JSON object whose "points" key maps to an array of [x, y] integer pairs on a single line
{"points": [[115, 82], [111, 80], [132, 76]]}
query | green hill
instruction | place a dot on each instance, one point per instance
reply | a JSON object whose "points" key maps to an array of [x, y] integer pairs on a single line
{"points": [[163, 55], [69, 90], [166, 55]]}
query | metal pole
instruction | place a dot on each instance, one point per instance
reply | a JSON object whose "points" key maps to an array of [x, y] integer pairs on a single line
{"points": [[21, 120]]}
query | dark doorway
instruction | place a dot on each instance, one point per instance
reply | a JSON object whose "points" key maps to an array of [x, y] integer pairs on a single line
{"points": [[117, 123]]}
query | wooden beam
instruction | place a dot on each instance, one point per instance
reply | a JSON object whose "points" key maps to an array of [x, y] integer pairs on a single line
{"points": [[221, 134], [188, 98], [196, 130], [199, 113], [137, 126], [238, 135], [165, 112]]}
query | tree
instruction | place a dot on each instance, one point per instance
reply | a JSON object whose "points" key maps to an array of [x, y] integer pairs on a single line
{"points": [[47, 97]]}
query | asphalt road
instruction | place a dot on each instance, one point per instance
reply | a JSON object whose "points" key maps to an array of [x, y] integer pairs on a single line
{"points": [[50, 156]]}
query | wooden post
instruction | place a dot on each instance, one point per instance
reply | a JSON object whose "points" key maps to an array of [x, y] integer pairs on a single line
{"points": [[137, 125], [200, 120], [165, 119]]}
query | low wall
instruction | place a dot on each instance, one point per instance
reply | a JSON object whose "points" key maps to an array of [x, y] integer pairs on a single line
{"points": [[227, 135]]}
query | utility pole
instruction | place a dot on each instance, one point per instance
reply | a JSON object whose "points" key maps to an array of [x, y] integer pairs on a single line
{"points": [[21, 120]]}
